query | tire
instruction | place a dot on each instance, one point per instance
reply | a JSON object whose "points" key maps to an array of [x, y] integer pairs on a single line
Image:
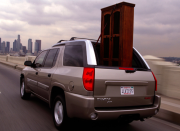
{"points": [[59, 112], [23, 93]]}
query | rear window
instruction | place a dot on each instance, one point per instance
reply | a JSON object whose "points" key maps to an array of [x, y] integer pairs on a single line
{"points": [[137, 62], [73, 56]]}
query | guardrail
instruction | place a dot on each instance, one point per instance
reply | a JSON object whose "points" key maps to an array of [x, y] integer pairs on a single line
{"points": [[167, 73]]}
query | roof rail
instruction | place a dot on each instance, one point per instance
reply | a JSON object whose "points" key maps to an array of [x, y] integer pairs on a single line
{"points": [[61, 41], [74, 38]]}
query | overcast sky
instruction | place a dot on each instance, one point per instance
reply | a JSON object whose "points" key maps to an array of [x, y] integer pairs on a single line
{"points": [[156, 22]]}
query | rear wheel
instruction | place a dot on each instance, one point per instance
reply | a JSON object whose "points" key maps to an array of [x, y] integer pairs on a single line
{"points": [[59, 112], [23, 93]]}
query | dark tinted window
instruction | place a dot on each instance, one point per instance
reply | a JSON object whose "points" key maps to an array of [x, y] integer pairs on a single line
{"points": [[137, 62], [39, 60], [73, 56], [51, 58], [54, 62]]}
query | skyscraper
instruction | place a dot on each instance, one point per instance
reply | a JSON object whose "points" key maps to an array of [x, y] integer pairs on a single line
{"points": [[37, 46], [14, 45], [18, 43], [0, 43], [7, 47], [20, 47], [3, 47], [30, 45], [24, 49], [39, 43]]}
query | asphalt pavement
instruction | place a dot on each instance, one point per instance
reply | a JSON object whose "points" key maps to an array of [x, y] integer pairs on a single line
{"points": [[35, 115]]}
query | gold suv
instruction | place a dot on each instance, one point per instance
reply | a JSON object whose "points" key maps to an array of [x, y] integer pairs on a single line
{"points": [[69, 77]]}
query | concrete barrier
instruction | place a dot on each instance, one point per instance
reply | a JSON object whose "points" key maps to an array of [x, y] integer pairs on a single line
{"points": [[3, 57], [167, 75], [17, 60], [30, 58]]}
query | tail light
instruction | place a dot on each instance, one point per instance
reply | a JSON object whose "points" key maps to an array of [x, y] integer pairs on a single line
{"points": [[88, 79], [155, 81]]}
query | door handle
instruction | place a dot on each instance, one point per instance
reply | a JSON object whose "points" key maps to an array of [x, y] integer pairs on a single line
{"points": [[49, 75], [36, 73]]}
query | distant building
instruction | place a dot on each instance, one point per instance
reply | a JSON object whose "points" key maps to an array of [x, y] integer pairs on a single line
{"points": [[7, 47], [14, 45], [18, 44], [0, 44], [30, 45], [37, 46], [11, 50], [21, 53], [20, 48], [24, 49], [3, 47], [39, 41]]}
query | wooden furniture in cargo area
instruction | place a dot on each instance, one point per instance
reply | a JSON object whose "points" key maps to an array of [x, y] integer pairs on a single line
{"points": [[117, 38]]}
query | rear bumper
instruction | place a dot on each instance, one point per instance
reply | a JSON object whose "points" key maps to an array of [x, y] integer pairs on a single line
{"points": [[83, 106]]}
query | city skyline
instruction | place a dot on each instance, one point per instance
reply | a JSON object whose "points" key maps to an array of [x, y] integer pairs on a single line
{"points": [[156, 23], [16, 46]]}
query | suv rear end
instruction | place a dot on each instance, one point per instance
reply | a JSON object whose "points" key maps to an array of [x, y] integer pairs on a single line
{"points": [[99, 92]]}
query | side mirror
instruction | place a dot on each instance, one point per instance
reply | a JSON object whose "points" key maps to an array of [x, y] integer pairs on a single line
{"points": [[28, 63]]}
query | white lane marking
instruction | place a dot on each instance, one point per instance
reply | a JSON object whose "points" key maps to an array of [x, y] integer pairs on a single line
{"points": [[171, 104]]}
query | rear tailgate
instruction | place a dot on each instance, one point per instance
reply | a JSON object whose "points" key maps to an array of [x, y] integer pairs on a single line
{"points": [[116, 88]]}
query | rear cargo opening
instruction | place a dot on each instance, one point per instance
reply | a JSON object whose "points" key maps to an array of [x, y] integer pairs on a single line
{"points": [[137, 62], [121, 87]]}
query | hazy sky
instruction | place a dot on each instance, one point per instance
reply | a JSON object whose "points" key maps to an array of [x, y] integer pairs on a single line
{"points": [[156, 22]]}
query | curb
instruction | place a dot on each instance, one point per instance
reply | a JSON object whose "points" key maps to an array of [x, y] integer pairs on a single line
{"points": [[8, 64], [168, 116], [15, 66]]}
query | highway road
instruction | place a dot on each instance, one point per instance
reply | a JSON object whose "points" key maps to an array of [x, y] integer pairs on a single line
{"points": [[35, 115]]}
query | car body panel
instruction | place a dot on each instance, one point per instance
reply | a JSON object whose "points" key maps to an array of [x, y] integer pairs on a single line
{"points": [[108, 83], [82, 107], [31, 78], [44, 81]]}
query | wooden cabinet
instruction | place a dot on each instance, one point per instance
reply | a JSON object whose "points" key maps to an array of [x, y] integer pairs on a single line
{"points": [[117, 37]]}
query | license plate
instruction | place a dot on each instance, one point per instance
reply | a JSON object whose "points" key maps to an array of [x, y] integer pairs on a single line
{"points": [[127, 90]]}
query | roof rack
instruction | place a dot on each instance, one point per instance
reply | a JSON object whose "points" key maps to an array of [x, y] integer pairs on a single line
{"points": [[74, 38], [61, 41]]}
